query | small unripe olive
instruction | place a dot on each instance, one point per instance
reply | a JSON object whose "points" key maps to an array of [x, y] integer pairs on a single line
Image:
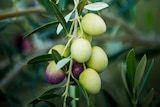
{"points": [[81, 50], [77, 69], [90, 80], [98, 60], [60, 49], [54, 76], [84, 35], [93, 24]]}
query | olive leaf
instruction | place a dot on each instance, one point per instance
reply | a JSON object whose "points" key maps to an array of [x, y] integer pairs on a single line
{"points": [[47, 5], [62, 63], [56, 56], [60, 16], [131, 66], [81, 5], [67, 17], [124, 80], [145, 78], [40, 28], [52, 90], [40, 59], [140, 71], [96, 6]]}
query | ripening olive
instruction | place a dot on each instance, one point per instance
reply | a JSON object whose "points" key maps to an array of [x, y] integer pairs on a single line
{"points": [[54, 76]]}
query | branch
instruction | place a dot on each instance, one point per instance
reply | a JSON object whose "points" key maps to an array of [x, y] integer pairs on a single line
{"points": [[12, 14]]}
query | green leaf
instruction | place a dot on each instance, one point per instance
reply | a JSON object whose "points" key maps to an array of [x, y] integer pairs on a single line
{"points": [[140, 71], [48, 96], [40, 59], [148, 98], [36, 101], [60, 16], [81, 5], [124, 80], [50, 103], [43, 27], [62, 63], [131, 66], [47, 5], [145, 78], [52, 90], [67, 17], [83, 91], [96, 6], [56, 56]]}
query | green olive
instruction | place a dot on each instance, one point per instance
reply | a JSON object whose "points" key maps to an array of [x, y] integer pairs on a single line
{"points": [[98, 60], [60, 49], [81, 50], [84, 35], [93, 24], [90, 81]]}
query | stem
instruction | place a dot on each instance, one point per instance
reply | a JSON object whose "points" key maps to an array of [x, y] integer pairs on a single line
{"points": [[66, 93], [12, 14], [92, 101], [68, 43], [134, 99], [75, 19]]}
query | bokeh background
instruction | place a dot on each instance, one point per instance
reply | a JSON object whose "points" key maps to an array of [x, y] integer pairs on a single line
{"points": [[130, 24]]}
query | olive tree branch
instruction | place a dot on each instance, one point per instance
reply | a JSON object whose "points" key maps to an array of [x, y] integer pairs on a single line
{"points": [[6, 15]]}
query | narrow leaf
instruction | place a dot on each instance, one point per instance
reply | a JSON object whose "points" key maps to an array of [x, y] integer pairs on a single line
{"points": [[83, 91], [56, 56], [67, 17], [52, 90], [131, 66], [140, 71], [96, 6], [60, 16], [62, 63], [50, 103], [146, 78], [40, 59], [49, 96], [43, 27], [124, 81], [81, 5], [47, 5], [34, 102]]}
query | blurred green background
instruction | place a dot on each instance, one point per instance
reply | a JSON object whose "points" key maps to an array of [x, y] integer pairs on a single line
{"points": [[130, 24]]}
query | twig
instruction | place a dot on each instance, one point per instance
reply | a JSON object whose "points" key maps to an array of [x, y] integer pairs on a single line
{"points": [[12, 14]]}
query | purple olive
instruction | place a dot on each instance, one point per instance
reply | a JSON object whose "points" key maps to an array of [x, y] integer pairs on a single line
{"points": [[77, 69], [54, 76]]}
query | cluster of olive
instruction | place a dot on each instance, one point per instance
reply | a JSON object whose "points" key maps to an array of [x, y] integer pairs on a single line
{"points": [[88, 61]]}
